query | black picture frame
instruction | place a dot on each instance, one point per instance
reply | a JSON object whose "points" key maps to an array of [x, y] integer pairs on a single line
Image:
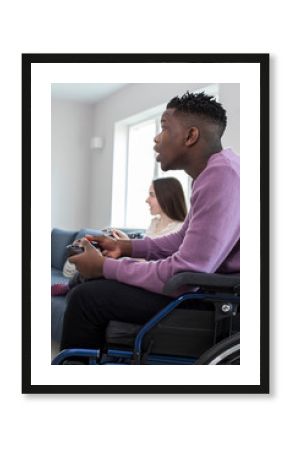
{"points": [[260, 59]]}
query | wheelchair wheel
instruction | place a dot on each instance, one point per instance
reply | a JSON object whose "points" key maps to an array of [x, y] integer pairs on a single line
{"points": [[226, 352]]}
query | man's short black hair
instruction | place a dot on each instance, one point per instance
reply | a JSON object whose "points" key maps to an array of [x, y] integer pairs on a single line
{"points": [[203, 105]]}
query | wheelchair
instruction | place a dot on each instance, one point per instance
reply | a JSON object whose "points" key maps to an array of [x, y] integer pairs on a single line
{"points": [[200, 326]]}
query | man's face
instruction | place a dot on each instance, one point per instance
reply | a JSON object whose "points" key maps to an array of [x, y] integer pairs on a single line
{"points": [[170, 142]]}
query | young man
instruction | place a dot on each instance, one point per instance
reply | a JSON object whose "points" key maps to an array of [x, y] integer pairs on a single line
{"points": [[209, 241]]}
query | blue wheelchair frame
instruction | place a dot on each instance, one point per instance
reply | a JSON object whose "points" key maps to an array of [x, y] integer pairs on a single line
{"points": [[227, 302]]}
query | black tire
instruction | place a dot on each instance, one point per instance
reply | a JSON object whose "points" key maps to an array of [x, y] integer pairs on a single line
{"points": [[226, 352]]}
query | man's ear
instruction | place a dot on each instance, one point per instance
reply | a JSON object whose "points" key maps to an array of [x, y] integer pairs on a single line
{"points": [[192, 136]]}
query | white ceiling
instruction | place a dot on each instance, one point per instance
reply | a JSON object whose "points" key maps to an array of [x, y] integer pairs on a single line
{"points": [[84, 92]]}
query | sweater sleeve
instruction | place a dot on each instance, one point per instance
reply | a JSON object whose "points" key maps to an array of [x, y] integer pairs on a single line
{"points": [[213, 230], [159, 247]]}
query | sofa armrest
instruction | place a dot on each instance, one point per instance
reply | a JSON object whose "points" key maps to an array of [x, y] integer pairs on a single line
{"points": [[59, 240]]}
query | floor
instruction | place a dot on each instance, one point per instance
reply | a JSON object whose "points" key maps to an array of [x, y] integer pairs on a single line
{"points": [[54, 349]]}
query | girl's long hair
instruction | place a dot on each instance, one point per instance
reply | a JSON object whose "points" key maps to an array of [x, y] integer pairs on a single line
{"points": [[170, 196]]}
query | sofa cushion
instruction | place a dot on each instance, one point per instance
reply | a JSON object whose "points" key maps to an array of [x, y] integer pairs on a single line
{"points": [[59, 240], [58, 277], [85, 231]]}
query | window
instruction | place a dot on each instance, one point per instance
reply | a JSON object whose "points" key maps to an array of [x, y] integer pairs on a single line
{"points": [[135, 167], [141, 162]]}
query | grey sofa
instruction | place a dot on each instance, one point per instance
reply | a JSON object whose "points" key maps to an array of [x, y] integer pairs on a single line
{"points": [[59, 240]]}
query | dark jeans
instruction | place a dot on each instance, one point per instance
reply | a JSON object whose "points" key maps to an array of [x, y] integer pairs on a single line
{"points": [[93, 304]]}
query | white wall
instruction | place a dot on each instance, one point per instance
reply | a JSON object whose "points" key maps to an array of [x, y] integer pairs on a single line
{"points": [[71, 131], [132, 100], [229, 96]]}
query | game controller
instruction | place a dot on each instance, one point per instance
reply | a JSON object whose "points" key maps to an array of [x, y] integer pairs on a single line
{"points": [[108, 232], [74, 249]]}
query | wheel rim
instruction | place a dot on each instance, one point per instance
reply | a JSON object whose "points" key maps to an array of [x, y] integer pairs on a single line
{"points": [[225, 354]]}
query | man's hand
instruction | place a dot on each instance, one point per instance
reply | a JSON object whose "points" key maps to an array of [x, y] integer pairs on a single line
{"points": [[112, 247], [90, 262]]}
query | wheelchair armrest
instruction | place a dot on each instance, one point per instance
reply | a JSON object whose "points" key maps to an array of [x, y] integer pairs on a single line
{"points": [[214, 281]]}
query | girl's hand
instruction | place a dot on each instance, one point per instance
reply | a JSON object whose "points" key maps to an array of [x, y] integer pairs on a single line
{"points": [[119, 235]]}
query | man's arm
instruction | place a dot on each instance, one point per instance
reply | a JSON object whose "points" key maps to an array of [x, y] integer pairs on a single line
{"points": [[158, 248], [213, 231]]}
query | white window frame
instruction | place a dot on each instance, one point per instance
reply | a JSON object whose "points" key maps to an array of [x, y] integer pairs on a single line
{"points": [[120, 162]]}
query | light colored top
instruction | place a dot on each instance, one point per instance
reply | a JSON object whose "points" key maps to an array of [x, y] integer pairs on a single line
{"points": [[209, 240], [157, 229]]}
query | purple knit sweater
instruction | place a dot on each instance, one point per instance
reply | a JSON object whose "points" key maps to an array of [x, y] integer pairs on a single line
{"points": [[209, 240]]}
